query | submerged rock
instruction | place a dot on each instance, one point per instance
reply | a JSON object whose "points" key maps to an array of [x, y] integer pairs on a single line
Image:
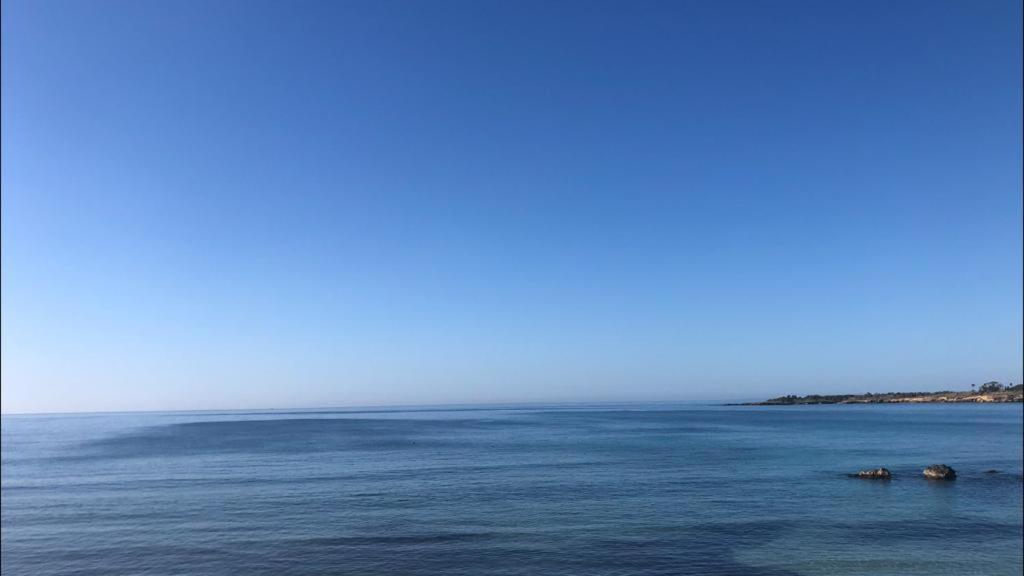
{"points": [[879, 474], [939, 472]]}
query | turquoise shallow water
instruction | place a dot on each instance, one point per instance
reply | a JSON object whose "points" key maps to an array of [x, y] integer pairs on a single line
{"points": [[586, 490]]}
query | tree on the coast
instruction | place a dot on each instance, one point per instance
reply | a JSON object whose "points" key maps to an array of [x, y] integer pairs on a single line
{"points": [[992, 386]]}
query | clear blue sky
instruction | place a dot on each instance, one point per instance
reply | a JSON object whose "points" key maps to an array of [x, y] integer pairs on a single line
{"points": [[275, 204]]}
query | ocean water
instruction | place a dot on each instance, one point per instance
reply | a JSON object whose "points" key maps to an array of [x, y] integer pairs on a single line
{"points": [[594, 490]]}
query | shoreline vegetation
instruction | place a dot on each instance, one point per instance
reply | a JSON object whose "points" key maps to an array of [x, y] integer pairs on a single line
{"points": [[989, 392]]}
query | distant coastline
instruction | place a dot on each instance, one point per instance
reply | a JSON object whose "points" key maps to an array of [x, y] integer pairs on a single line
{"points": [[990, 392]]}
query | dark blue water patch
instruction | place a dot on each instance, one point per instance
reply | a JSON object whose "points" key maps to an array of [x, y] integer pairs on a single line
{"points": [[280, 436], [401, 539], [928, 529], [195, 483], [702, 550]]}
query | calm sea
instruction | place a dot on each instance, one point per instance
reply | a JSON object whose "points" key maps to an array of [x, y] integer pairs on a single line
{"points": [[586, 490]]}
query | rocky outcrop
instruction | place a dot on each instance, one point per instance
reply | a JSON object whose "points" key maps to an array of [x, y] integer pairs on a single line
{"points": [[1011, 394], [939, 472], [879, 474]]}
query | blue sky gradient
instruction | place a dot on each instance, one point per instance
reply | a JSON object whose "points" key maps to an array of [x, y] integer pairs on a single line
{"points": [[278, 204]]}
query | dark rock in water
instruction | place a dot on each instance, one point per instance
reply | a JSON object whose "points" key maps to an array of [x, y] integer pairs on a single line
{"points": [[879, 474], [991, 471], [939, 472]]}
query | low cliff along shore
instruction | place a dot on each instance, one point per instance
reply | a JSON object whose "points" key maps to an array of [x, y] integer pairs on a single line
{"points": [[990, 392]]}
